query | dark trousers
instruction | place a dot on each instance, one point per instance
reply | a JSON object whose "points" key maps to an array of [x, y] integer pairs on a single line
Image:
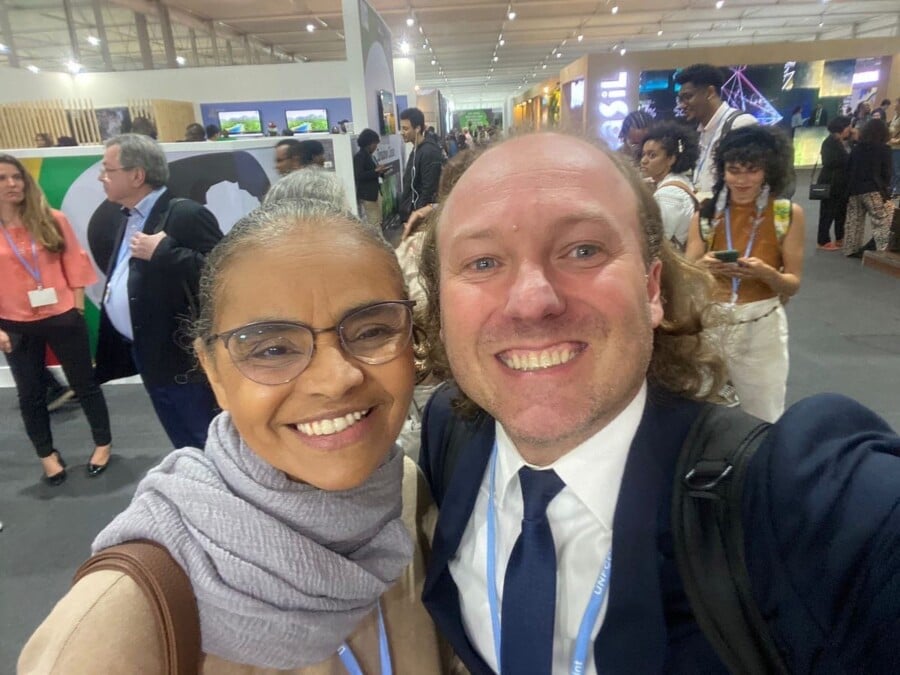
{"points": [[67, 336], [185, 411], [831, 210]]}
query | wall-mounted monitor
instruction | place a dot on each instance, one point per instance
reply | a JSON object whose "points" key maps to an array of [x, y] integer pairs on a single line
{"points": [[241, 122], [307, 121], [387, 122]]}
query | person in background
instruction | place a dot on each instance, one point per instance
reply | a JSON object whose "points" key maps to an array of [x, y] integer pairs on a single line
{"points": [[213, 132], [894, 142], [287, 156], [835, 154], [861, 115], [143, 126], [871, 175], [160, 248], [43, 140], [194, 132], [312, 154], [367, 174], [819, 117], [632, 134], [422, 174], [765, 234], [314, 559], [670, 152], [700, 96], [43, 272], [797, 120], [66, 142]]}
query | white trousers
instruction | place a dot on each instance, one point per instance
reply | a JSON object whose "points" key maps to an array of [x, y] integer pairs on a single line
{"points": [[756, 354]]}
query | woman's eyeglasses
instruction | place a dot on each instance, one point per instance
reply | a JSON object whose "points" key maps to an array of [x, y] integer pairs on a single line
{"points": [[276, 352]]}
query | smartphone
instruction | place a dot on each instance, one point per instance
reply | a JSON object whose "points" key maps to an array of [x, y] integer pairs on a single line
{"points": [[729, 256]]}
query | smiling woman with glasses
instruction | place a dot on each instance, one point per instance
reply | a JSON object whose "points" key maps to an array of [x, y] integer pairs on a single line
{"points": [[299, 524]]}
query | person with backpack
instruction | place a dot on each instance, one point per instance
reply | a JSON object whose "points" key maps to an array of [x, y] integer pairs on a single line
{"points": [[579, 370], [296, 534], [669, 154], [700, 98]]}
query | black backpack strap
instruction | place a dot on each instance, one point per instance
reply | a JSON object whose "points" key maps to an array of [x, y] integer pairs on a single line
{"points": [[708, 537], [729, 121]]}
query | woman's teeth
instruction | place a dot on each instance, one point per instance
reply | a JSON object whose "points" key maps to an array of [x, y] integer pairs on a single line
{"points": [[331, 426]]}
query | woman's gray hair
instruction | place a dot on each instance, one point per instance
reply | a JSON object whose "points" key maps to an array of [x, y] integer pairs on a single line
{"points": [[266, 228], [310, 183], [137, 151]]}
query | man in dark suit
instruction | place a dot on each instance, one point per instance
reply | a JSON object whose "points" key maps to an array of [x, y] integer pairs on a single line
{"points": [[571, 336], [151, 287]]}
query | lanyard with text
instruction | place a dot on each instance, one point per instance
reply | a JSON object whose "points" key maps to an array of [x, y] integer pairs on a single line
{"points": [[757, 221], [34, 271], [591, 613], [350, 662]]}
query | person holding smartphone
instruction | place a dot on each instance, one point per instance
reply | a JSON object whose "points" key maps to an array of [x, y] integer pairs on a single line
{"points": [[43, 272], [752, 243]]}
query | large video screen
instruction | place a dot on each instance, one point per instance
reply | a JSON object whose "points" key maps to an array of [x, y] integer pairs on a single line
{"points": [[241, 122], [307, 121]]}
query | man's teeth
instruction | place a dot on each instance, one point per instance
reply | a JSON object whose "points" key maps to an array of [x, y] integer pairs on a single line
{"points": [[333, 426], [539, 360]]}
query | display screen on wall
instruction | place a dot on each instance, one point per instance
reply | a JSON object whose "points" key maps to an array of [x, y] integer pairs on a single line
{"points": [[307, 121], [386, 113], [241, 122], [576, 94]]}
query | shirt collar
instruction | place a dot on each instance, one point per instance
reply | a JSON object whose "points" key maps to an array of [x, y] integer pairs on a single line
{"points": [[145, 206], [714, 120], [603, 454]]}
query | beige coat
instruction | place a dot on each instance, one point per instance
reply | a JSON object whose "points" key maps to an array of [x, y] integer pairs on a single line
{"points": [[104, 626]]}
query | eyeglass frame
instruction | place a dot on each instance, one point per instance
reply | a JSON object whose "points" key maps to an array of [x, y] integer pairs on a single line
{"points": [[225, 336]]}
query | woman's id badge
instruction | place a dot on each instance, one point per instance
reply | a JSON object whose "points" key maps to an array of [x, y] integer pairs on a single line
{"points": [[42, 297]]}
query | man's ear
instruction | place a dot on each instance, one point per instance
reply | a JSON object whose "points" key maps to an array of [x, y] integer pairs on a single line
{"points": [[654, 292], [208, 363]]}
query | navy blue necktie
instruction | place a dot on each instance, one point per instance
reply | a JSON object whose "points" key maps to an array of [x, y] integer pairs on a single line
{"points": [[529, 588]]}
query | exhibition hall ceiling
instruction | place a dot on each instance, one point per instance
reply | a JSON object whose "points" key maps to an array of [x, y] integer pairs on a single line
{"points": [[478, 52]]}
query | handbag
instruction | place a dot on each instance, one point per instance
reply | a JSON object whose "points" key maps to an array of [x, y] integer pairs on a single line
{"points": [[169, 593], [819, 191]]}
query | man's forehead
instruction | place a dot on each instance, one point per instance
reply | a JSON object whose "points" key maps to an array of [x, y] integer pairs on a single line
{"points": [[532, 159]]}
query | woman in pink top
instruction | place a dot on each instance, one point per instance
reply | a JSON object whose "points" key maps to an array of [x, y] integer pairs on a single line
{"points": [[43, 272]]}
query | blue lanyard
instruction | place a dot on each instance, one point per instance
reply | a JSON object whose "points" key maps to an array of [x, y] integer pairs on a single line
{"points": [[349, 660], [35, 271], [757, 221], [591, 612]]}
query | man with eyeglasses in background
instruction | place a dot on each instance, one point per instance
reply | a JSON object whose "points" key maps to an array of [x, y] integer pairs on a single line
{"points": [[151, 288], [700, 97]]}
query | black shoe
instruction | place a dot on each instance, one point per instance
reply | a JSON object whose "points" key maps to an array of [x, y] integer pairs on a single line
{"points": [[56, 479], [94, 470]]}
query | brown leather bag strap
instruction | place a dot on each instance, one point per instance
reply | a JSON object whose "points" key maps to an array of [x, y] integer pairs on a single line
{"points": [[169, 592]]}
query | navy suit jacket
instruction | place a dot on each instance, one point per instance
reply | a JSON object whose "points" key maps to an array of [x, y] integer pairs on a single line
{"points": [[822, 517]]}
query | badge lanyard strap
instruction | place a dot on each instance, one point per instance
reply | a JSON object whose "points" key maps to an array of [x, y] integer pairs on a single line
{"points": [[349, 660], [35, 271], [591, 612], [757, 221]]}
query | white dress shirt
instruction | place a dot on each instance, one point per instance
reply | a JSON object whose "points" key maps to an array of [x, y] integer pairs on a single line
{"points": [[581, 518], [118, 308], [705, 171]]}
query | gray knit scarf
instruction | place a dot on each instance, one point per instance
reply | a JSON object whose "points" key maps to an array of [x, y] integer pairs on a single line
{"points": [[283, 572]]}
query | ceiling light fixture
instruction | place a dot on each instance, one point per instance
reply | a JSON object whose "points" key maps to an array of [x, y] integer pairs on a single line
{"points": [[404, 47], [502, 42], [558, 55], [433, 62], [34, 69], [544, 67], [496, 58], [180, 60], [310, 28], [659, 32], [580, 38], [3, 47], [410, 21], [73, 66], [720, 4], [93, 40], [622, 51], [511, 14], [615, 9]]}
